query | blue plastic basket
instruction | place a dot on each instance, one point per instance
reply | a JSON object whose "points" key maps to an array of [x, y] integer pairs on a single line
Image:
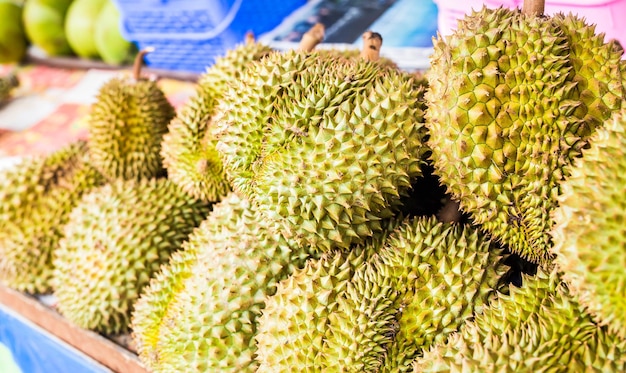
{"points": [[189, 35]]}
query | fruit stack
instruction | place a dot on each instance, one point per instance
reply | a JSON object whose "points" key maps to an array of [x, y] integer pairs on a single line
{"points": [[88, 29], [322, 211]]}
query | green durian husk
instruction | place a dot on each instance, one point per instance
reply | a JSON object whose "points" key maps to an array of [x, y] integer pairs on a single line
{"points": [[512, 100], [204, 319], [126, 126], [188, 150], [589, 236], [116, 239], [7, 84], [377, 310], [36, 198], [539, 327], [325, 146]]}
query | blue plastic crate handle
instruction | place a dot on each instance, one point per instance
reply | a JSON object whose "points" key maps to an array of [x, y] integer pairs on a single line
{"points": [[217, 30]]}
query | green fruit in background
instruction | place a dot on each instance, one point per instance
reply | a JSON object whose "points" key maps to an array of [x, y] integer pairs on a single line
{"points": [[112, 47], [44, 22], [80, 22], [12, 37]]}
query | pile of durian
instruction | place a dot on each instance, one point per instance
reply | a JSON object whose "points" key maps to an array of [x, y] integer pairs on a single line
{"points": [[320, 210]]}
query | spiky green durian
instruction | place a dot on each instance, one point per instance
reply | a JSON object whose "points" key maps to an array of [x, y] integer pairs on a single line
{"points": [[377, 310], [512, 99], [539, 327], [188, 151], [293, 324], [126, 126], [115, 240], [210, 322], [589, 235], [36, 197], [325, 146], [7, 84]]}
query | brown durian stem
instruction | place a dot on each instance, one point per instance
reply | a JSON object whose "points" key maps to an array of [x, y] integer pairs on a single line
{"points": [[313, 37], [139, 62], [372, 41], [534, 7], [249, 39]]}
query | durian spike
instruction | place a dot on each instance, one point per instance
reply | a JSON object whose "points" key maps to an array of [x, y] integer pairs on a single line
{"points": [[313, 37], [372, 41], [533, 7], [249, 39], [139, 62]]}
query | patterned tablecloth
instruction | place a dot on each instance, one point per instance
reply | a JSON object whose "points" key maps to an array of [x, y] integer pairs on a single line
{"points": [[50, 107]]}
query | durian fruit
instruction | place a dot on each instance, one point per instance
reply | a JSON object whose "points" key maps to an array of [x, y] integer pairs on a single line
{"points": [[589, 235], [291, 330], [126, 126], [188, 150], [512, 99], [539, 327], [324, 145], [36, 198], [376, 308], [115, 240], [200, 313], [7, 84]]}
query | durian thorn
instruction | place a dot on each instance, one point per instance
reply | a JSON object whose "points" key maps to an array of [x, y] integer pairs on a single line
{"points": [[249, 39], [139, 62], [372, 41], [313, 37], [533, 7]]}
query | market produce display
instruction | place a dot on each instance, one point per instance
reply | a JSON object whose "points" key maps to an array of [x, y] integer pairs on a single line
{"points": [[127, 124], [589, 235], [209, 322], [323, 145], [188, 149], [323, 211], [116, 237], [36, 199], [512, 100]]}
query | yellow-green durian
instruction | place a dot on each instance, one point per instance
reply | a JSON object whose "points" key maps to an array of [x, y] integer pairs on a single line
{"points": [[539, 327], [36, 198], [512, 100], [325, 146], [590, 231], [188, 150], [126, 126], [377, 309], [116, 238], [7, 84], [209, 321]]}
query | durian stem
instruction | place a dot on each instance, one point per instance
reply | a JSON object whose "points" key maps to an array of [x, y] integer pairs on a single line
{"points": [[372, 41], [249, 39], [313, 37], [534, 7], [139, 62]]}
